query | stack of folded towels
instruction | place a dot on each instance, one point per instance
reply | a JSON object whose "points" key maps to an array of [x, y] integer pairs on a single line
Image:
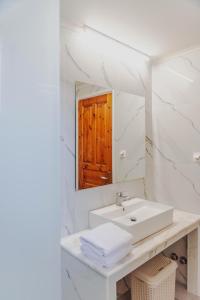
{"points": [[106, 244]]}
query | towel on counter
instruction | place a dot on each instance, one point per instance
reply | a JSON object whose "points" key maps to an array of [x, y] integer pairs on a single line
{"points": [[105, 261], [106, 244], [91, 249], [106, 239]]}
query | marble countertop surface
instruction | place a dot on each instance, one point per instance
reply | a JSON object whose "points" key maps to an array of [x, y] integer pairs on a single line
{"points": [[183, 224]]}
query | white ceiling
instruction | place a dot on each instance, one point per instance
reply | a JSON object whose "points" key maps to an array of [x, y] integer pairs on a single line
{"points": [[157, 27]]}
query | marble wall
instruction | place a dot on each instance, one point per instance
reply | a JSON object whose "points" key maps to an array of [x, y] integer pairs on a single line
{"points": [[129, 135], [103, 63], [172, 128], [176, 133]]}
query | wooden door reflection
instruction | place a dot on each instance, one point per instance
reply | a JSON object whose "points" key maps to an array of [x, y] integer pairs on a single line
{"points": [[95, 141]]}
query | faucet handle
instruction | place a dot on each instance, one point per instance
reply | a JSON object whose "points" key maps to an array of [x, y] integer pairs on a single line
{"points": [[121, 197]]}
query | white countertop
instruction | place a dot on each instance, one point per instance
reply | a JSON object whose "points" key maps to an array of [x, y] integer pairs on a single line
{"points": [[183, 224]]}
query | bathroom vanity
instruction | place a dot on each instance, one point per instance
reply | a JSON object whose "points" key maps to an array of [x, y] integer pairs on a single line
{"points": [[83, 279]]}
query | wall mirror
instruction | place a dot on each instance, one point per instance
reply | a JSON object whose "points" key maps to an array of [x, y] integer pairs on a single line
{"points": [[110, 136]]}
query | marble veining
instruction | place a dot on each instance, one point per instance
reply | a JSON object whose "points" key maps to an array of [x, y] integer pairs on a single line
{"points": [[105, 75], [142, 81], [138, 77], [102, 68], [145, 189], [75, 62], [132, 119], [168, 160], [189, 61], [67, 230], [176, 131], [129, 125], [67, 147], [173, 164], [83, 277], [73, 284], [184, 223], [131, 73], [173, 107], [139, 160], [70, 150]]}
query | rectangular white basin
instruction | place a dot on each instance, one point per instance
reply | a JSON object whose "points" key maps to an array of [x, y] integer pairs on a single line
{"points": [[138, 216]]}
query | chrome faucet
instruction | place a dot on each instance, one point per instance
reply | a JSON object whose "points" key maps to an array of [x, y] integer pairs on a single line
{"points": [[121, 197]]}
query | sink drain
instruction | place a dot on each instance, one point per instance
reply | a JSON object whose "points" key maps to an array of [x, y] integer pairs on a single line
{"points": [[133, 219]]}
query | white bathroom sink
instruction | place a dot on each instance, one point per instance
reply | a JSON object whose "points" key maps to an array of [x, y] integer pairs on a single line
{"points": [[138, 216]]}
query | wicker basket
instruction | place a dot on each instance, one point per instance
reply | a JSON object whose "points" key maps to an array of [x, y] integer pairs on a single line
{"points": [[155, 280]]}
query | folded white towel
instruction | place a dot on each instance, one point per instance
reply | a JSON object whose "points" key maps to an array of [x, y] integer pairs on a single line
{"points": [[96, 251], [105, 261], [106, 239]]}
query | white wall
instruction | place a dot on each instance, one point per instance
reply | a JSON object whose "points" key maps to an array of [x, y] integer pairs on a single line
{"points": [[29, 151], [176, 132], [106, 64]]}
